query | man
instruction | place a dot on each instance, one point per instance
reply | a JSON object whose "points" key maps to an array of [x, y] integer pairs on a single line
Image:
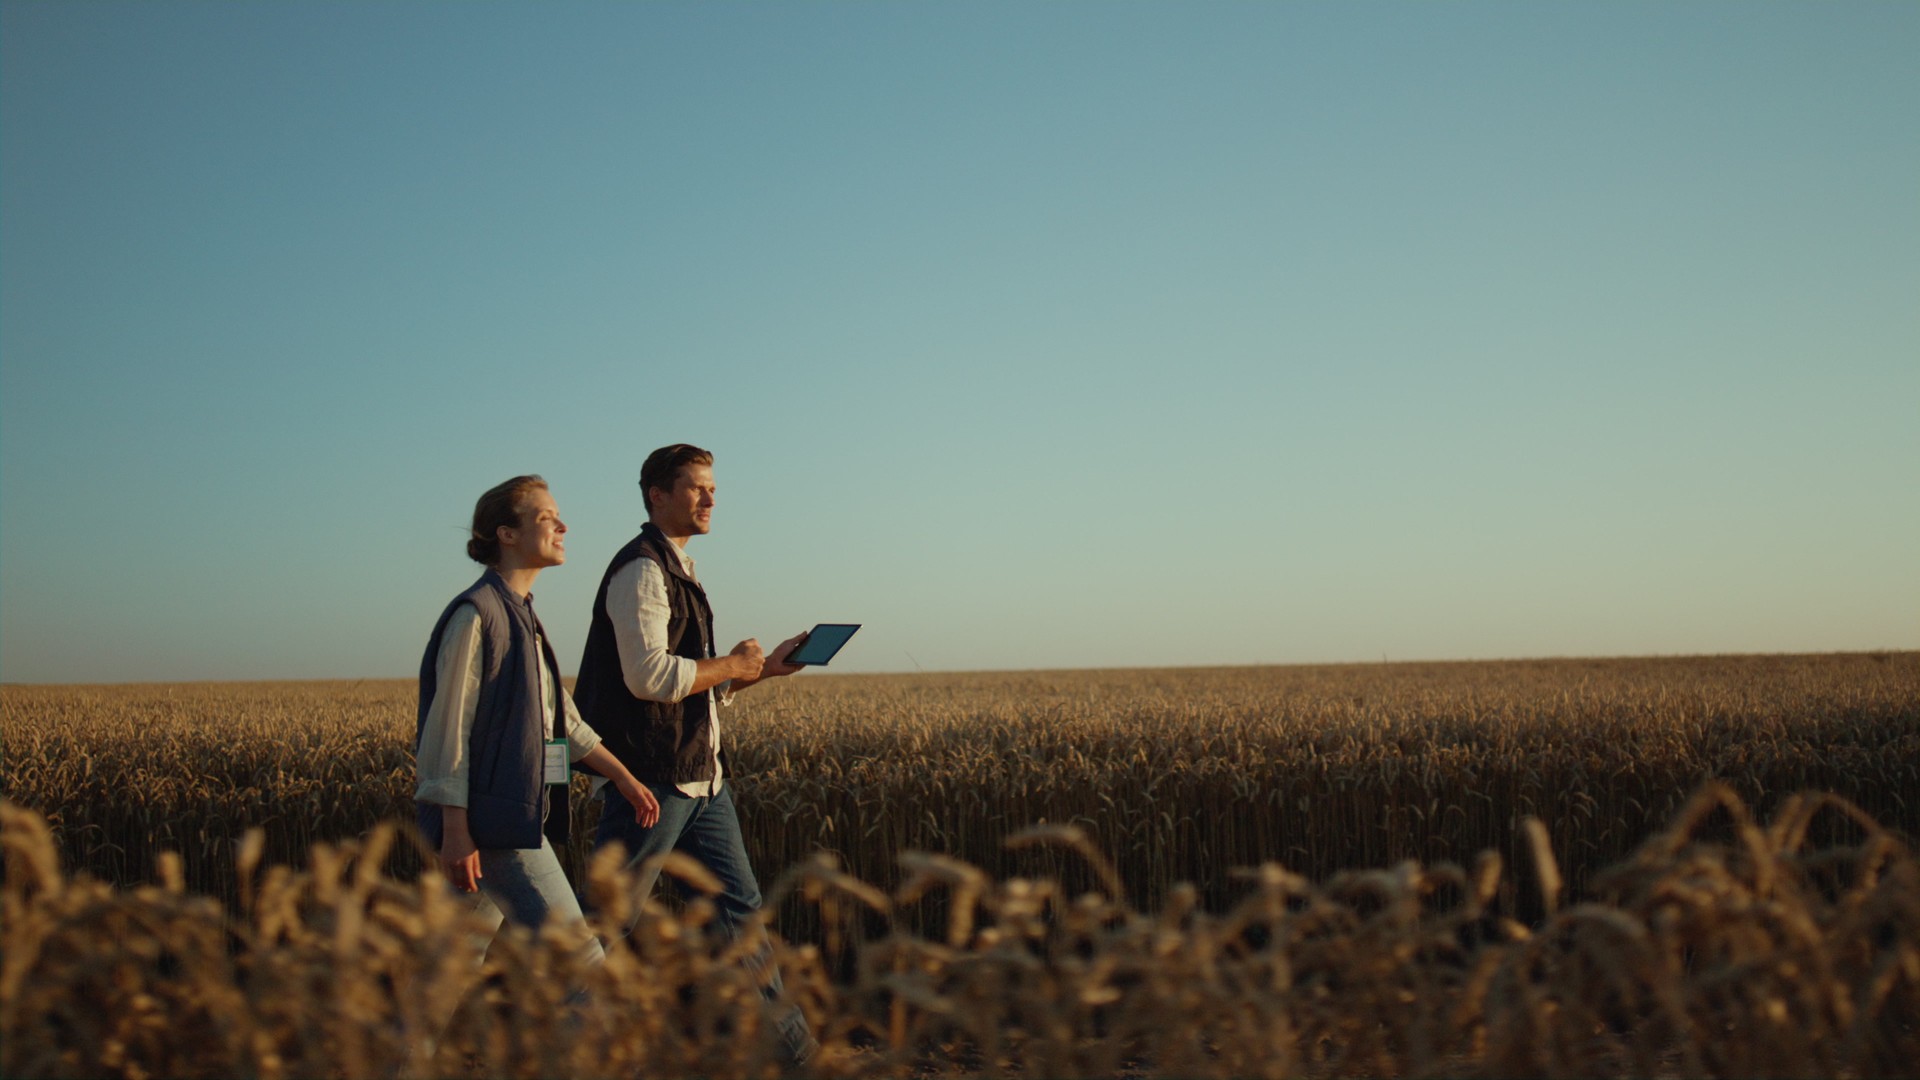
{"points": [[650, 684]]}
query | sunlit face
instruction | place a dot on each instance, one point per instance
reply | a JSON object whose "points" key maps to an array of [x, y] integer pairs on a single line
{"points": [[687, 510], [541, 539]]}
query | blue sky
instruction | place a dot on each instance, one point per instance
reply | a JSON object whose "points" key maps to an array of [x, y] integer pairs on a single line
{"points": [[1028, 335]]}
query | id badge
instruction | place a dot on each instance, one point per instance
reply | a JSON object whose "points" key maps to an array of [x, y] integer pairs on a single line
{"points": [[556, 770]]}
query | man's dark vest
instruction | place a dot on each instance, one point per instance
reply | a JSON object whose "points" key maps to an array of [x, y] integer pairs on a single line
{"points": [[660, 742], [507, 800]]}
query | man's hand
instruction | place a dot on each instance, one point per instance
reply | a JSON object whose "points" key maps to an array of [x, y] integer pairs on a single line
{"points": [[748, 660], [776, 664], [459, 859]]}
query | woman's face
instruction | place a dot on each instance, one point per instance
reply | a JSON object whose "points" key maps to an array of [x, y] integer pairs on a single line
{"points": [[540, 541]]}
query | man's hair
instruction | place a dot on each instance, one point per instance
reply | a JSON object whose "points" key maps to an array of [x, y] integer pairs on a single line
{"points": [[662, 469], [501, 505]]}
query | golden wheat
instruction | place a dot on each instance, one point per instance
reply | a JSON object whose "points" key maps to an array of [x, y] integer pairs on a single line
{"points": [[945, 935], [1182, 775], [1751, 955]]}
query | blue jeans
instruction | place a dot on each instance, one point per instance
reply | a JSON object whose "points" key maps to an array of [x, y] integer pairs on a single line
{"points": [[707, 829], [528, 886]]}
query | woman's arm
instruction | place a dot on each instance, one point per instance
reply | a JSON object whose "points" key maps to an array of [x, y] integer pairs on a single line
{"points": [[440, 761], [646, 809], [585, 748]]}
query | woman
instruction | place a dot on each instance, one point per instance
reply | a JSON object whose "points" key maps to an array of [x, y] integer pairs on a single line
{"points": [[496, 728]]}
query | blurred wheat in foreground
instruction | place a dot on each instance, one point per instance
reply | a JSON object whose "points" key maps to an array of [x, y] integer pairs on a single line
{"points": [[1747, 955]]}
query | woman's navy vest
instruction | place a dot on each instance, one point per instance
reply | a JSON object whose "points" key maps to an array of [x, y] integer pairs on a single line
{"points": [[507, 800], [660, 742]]}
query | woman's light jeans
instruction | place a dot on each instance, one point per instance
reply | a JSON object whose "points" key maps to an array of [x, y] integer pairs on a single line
{"points": [[528, 886]]}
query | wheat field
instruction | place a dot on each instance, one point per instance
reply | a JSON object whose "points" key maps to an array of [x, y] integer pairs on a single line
{"points": [[1180, 775], [1447, 869]]}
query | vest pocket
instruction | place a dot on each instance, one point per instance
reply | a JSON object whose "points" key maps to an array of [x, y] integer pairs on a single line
{"points": [[503, 822]]}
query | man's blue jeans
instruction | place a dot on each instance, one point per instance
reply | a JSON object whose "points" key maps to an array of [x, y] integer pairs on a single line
{"points": [[707, 829]]}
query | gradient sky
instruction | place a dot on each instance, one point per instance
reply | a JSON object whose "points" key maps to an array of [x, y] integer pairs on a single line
{"points": [[1028, 335]]}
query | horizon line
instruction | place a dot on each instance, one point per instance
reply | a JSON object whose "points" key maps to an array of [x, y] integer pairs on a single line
{"points": [[1384, 661]]}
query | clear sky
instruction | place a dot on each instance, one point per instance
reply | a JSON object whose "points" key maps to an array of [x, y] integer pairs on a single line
{"points": [[1031, 335]]}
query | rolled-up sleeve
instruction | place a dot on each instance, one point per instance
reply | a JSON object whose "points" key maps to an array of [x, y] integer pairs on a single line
{"points": [[637, 606], [441, 761], [581, 739]]}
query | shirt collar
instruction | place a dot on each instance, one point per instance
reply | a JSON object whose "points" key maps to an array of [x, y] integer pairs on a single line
{"points": [[680, 553], [501, 584]]}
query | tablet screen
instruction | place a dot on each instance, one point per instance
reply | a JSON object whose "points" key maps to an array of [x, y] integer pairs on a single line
{"points": [[822, 642]]}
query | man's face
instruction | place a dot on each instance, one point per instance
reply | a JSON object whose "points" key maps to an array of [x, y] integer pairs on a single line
{"points": [[541, 538], [687, 510]]}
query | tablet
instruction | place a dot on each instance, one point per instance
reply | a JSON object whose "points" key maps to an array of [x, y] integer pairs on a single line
{"points": [[822, 642]]}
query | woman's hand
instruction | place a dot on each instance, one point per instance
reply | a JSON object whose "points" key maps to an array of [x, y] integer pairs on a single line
{"points": [[459, 859], [646, 808]]}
